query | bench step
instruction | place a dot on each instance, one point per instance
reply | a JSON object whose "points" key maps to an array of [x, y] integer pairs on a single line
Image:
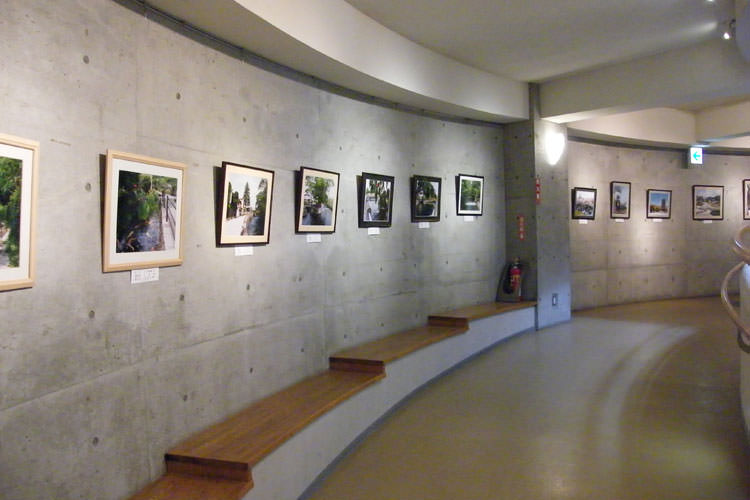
{"points": [[230, 448], [462, 317], [373, 356], [185, 487]]}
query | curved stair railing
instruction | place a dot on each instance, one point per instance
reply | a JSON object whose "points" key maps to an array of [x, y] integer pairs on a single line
{"points": [[743, 331]]}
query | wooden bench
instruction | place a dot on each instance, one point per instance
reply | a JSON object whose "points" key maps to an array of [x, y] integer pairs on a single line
{"points": [[216, 464]]}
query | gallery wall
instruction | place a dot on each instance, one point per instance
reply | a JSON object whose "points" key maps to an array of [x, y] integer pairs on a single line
{"points": [[638, 259], [98, 377]]}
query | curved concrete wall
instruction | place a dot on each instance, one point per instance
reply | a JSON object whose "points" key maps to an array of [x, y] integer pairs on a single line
{"points": [[99, 377], [638, 259]]}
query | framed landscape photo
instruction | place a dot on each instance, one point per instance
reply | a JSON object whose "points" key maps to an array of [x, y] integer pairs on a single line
{"points": [[708, 202], [583, 203], [318, 197], [425, 199], [375, 197], [746, 199], [245, 205], [142, 212], [469, 194], [19, 159], [658, 204], [619, 200]]}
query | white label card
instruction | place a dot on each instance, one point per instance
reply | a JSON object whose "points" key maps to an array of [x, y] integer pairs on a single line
{"points": [[243, 251], [424, 225], [619, 220], [657, 220], [583, 221], [470, 218], [373, 231], [144, 275], [314, 238], [708, 222]]}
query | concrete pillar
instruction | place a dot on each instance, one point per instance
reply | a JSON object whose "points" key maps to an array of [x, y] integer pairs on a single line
{"points": [[530, 148]]}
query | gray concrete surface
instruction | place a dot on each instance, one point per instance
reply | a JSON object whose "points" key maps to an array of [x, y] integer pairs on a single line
{"points": [[99, 377], [638, 259]]}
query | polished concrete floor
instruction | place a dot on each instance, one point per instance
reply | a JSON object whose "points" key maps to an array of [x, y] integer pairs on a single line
{"points": [[633, 402]]}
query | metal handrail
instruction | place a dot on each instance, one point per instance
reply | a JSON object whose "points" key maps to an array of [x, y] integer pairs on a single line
{"points": [[743, 331]]}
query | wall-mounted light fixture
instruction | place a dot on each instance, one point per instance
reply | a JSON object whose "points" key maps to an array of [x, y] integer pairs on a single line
{"points": [[729, 30], [554, 146]]}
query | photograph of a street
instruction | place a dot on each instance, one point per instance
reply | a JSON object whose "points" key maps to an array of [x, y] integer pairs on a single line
{"points": [[246, 205]]}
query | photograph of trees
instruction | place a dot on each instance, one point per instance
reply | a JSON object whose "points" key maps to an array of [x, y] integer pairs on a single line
{"points": [[425, 198], [469, 191], [146, 212], [375, 200], [317, 201], [245, 204], [10, 211]]}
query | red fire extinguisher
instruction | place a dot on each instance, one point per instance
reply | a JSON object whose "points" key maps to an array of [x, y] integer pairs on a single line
{"points": [[514, 273]]}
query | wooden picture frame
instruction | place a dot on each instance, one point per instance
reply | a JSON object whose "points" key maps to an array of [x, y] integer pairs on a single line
{"points": [[19, 164], [143, 212], [375, 200], [246, 202], [708, 202], [583, 203], [425, 198], [746, 199], [658, 203], [619, 200], [469, 194], [317, 200]]}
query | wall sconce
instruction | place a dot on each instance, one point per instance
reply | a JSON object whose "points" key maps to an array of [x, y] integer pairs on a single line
{"points": [[554, 147]]}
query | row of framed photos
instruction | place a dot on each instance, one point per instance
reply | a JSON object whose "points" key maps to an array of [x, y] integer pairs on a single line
{"points": [[708, 202], [144, 196]]}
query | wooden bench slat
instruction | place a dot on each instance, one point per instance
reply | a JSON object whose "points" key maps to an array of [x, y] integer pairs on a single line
{"points": [[462, 316], [243, 440], [184, 487], [384, 350]]}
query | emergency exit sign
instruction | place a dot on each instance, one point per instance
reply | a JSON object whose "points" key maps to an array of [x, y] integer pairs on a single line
{"points": [[695, 156]]}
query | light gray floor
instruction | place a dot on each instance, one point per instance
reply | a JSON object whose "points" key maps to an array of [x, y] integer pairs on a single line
{"points": [[629, 402]]}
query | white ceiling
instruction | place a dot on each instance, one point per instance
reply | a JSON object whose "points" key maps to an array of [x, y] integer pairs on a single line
{"points": [[473, 58], [536, 40]]}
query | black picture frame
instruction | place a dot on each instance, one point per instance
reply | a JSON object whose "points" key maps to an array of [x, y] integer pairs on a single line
{"points": [[619, 200], [317, 201], [469, 194], [252, 204], [658, 203], [583, 203], [425, 198], [708, 202], [375, 200]]}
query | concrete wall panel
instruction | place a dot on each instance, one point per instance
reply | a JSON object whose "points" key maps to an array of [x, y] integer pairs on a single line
{"points": [[646, 259], [85, 355]]}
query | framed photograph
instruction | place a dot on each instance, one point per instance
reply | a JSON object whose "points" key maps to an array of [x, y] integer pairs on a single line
{"points": [[469, 194], [619, 200], [245, 205], [317, 199], [142, 212], [658, 204], [425, 199], [375, 196], [708, 202], [19, 159], [746, 199], [583, 203]]}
